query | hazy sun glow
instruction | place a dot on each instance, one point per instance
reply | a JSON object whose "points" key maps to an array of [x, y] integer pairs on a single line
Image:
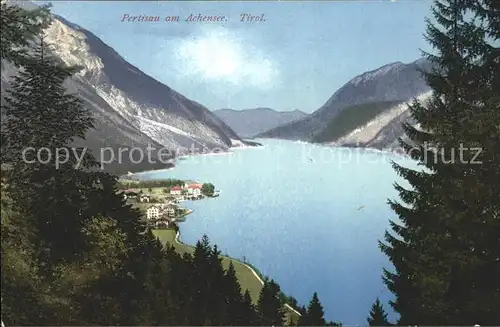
{"points": [[219, 55]]}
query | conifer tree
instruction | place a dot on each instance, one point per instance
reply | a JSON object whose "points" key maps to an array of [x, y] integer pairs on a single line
{"points": [[19, 27], [235, 311], [58, 200], [182, 286], [314, 315], [445, 248], [41, 115], [315, 311], [216, 299], [269, 305], [201, 282], [378, 316], [105, 247], [202, 254], [249, 311], [106, 201]]}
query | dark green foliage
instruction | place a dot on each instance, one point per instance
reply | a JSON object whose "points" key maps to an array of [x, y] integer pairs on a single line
{"points": [[302, 310], [289, 300], [208, 189], [217, 302], [351, 118], [378, 316], [269, 306], [233, 297], [249, 311], [39, 114], [314, 315], [19, 276], [445, 249], [151, 184], [18, 28]]}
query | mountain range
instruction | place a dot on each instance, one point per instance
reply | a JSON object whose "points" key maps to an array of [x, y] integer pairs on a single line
{"points": [[131, 108], [362, 98], [249, 122]]}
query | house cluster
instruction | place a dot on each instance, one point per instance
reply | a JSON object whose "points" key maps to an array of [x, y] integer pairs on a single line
{"points": [[137, 195], [188, 190], [162, 215]]}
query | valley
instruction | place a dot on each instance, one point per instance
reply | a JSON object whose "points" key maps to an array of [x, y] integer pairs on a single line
{"points": [[250, 171]]}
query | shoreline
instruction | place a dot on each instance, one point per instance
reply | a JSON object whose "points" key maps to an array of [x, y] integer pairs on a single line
{"points": [[367, 149], [231, 151], [131, 174], [345, 146], [178, 241], [182, 217]]}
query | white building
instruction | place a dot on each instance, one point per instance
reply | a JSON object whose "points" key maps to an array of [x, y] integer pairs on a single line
{"points": [[194, 190], [171, 210], [176, 190], [153, 213]]}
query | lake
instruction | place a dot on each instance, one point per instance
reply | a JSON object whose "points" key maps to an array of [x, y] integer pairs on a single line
{"points": [[308, 216]]}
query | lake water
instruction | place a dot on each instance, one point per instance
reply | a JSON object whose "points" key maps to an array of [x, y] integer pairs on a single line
{"points": [[307, 216]]}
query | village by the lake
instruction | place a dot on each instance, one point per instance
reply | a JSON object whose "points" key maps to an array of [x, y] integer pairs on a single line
{"points": [[160, 200]]}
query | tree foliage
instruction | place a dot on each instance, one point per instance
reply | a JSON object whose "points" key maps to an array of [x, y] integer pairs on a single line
{"points": [[314, 315], [378, 316], [445, 247], [269, 305], [20, 28], [208, 189], [41, 116]]}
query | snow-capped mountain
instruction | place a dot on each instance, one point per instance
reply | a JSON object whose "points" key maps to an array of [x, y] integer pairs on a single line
{"points": [[393, 82], [131, 108]]}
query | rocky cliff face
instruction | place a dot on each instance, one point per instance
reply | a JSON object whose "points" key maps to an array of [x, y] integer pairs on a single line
{"points": [[383, 131], [131, 108]]}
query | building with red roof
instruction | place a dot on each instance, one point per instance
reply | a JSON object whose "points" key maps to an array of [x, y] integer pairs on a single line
{"points": [[176, 190]]}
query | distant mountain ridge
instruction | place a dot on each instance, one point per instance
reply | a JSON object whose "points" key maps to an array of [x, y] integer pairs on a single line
{"points": [[395, 82], [134, 110], [131, 108], [250, 122]]}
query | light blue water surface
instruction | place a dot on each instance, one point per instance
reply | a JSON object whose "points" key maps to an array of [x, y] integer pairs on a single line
{"points": [[308, 216]]}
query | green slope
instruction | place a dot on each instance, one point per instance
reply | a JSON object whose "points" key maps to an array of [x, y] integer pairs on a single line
{"points": [[351, 118], [246, 277]]}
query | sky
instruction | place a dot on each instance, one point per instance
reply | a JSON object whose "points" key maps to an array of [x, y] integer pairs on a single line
{"points": [[295, 59]]}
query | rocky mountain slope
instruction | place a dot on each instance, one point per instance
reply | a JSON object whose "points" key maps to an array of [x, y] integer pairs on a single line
{"points": [[396, 82], [352, 118], [250, 122], [131, 108], [381, 132]]}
